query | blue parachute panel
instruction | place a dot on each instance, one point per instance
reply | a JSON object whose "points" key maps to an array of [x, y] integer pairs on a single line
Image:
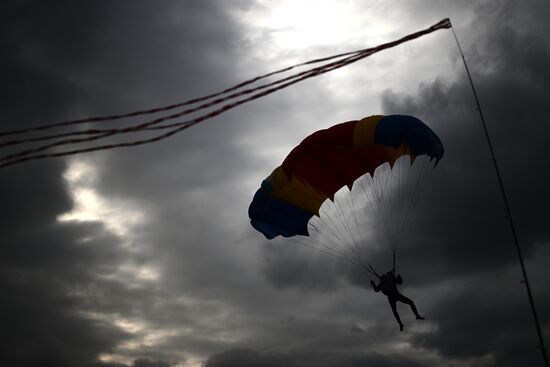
{"points": [[394, 130], [274, 217]]}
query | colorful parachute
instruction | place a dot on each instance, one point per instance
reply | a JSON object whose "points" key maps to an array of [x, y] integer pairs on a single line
{"points": [[331, 159]]}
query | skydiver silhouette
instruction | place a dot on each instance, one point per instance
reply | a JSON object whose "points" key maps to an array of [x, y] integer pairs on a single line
{"points": [[388, 286]]}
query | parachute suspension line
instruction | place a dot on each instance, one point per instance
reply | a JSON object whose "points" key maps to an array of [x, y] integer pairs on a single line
{"points": [[371, 270], [334, 243], [404, 204], [402, 175], [301, 240], [371, 201], [400, 188], [343, 230], [352, 223], [361, 245], [374, 200], [338, 249], [404, 199], [403, 195], [389, 195], [335, 236], [343, 221], [409, 205], [409, 199], [379, 196], [396, 186], [344, 259], [330, 248], [383, 200], [393, 194], [506, 205], [423, 176], [352, 243], [339, 234]]}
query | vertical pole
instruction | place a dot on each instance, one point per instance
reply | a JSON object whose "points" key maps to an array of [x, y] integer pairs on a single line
{"points": [[507, 206]]}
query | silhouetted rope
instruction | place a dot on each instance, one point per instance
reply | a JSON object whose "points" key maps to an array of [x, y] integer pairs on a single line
{"points": [[228, 99]]}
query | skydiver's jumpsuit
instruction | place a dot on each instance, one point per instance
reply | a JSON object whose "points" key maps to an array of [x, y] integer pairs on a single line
{"points": [[388, 286]]}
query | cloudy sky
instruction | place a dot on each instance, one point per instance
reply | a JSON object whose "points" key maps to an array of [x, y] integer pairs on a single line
{"points": [[145, 257]]}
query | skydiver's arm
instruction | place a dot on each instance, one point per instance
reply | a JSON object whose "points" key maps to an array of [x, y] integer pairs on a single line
{"points": [[374, 286], [399, 279]]}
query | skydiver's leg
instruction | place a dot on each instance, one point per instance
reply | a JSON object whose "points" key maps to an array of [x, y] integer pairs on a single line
{"points": [[393, 305], [408, 301]]}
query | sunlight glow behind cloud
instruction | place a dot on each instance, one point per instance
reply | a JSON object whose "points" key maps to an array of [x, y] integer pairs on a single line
{"points": [[301, 24], [118, 216]]}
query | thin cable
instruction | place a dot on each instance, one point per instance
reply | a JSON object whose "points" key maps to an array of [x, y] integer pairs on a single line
{"points": [[351, 57], [24, 156], [148, 125], [102, 133], [179, 104], [506, 205]]}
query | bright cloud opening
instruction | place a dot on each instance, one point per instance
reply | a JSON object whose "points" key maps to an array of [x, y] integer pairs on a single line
{"points": [[300, 24], [118, 216]]}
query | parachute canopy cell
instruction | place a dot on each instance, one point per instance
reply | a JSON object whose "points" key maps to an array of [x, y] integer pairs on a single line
{"points": [[329, 159]]}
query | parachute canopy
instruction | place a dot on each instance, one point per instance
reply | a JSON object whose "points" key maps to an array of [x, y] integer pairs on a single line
{"points": [[330, 159]]}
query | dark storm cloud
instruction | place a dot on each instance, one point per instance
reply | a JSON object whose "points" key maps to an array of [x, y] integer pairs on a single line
{"points": [[247, 358], [288, 266], [42, 264], [464, 197], [495, 321], [39, 263], [149, 363], [515, 105], [467, 234], [141, 362], [251, 358], [61, 62], [461, 240], [82, 58]]}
